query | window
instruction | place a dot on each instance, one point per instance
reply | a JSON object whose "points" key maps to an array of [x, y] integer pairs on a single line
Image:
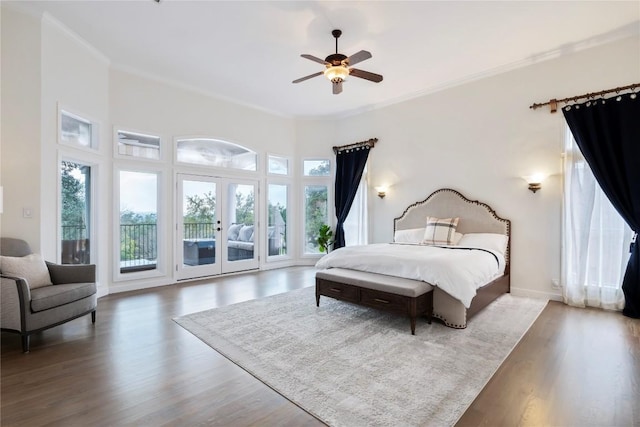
{"points": [[316, 167], [356, 226], [77, 131], [278, 165], [213, 152], [138, 221], [139, 145], [316, 213], [277, 219], [595, 238], [76, 212]]}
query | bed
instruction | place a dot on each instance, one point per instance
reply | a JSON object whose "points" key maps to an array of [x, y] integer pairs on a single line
{"points": [[343, 272]]}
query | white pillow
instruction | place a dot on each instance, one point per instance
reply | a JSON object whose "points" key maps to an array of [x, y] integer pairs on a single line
{"points": [[245, 234], [411, 235], [233, 231], [31, 268], [491, 241], [440, 231]]}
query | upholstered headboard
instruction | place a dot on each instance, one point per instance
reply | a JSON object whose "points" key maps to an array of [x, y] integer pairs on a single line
{"points": [[475, 217]]}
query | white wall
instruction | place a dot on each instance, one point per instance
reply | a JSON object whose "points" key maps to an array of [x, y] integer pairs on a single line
{"points": [[480, 138], [74, 77], [20, 135]]}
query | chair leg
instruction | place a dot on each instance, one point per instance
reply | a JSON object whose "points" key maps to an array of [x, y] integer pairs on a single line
{"points": [[25, 343], [93, 316]]}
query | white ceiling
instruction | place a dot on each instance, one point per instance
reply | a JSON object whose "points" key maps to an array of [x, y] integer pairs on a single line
{"points": [[249, 51]]}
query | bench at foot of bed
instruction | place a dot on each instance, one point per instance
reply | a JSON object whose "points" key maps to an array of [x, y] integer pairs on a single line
{"points": [[393, 294]]}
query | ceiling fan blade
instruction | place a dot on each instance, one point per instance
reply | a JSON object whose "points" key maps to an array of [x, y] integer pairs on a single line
{"points": [[315, 59], [358, 57], [377, 78], [301, 79], [337, 87]]}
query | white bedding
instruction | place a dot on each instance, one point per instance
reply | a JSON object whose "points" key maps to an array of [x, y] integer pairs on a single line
{"points": [[458, 272]]}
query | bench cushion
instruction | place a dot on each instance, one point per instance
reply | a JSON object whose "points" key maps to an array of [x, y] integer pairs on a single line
{"points": [[378, 282], [53, 296]]}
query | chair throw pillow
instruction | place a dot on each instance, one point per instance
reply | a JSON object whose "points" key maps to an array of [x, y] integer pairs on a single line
{"points": [[246, 233], [31, 268], [234, 230], [440, 231]]}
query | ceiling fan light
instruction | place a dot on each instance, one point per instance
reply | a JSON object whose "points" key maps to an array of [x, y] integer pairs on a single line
{"points": [[337, 73]]}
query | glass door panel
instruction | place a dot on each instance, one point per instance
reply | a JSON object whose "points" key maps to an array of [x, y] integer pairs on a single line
{"points": [[198, 227], [240, 229], [277, 219]]}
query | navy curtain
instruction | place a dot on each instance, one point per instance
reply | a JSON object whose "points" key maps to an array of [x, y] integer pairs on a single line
{"points": [[607, 132], [350, 165]]}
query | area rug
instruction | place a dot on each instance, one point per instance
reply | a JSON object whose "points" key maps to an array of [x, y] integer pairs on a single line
{"points": [[353, 366]]}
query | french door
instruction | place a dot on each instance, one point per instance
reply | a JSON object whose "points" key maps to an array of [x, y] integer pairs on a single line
{"points": [[216, 227]]}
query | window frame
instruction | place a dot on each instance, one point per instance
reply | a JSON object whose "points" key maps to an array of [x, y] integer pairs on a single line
{"points": [[94, 146], [288, 224], [289, 166], [228, 170], [161, 148], [325, 181], [308, 159], [93, 208], [161, 269]]}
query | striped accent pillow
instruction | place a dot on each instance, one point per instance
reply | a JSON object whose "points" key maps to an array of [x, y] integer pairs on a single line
{"points": [[440, 231]]}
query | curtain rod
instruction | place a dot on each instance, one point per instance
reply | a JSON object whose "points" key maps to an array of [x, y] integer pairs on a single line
{"points": [[553, 103], [370, 142]]}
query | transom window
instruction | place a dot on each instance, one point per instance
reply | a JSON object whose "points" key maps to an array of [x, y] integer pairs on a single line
{"points": [[138, 145], [319, 167], [77, 131], [278, 165], [213, 152]]}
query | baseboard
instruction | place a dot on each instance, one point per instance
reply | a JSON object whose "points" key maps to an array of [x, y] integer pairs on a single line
{"points": [[519, 292], [127, 287]]}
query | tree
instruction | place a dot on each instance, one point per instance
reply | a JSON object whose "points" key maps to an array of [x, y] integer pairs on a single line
{"points": [[73, 202], [245, 208], [201, 209], [323, 169], [315, 212]]}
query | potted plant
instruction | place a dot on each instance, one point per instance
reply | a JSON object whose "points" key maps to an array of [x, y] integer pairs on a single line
{"points": [[325, 238]]}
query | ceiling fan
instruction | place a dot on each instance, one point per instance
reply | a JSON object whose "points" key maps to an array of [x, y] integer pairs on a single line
{"points": [[338, 67]]}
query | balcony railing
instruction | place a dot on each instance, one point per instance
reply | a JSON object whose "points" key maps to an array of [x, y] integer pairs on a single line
{"points": [[138, 247], [199, 230], [138, 243], [75, 245]]}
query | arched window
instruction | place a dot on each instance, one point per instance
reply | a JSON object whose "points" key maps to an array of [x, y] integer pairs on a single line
{"points": [[213, 152]]}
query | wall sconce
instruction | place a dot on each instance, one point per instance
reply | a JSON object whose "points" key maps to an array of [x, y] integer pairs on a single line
{"points": [[382, 191], [535, 181]]}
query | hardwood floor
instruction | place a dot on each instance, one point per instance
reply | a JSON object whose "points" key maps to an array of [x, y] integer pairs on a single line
{"points": [[135, 366]]}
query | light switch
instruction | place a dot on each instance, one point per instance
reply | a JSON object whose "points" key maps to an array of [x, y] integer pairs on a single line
{"points": [[27, 212]]}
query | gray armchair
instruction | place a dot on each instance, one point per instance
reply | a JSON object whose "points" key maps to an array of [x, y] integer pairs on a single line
{"points": [[27, 311]]}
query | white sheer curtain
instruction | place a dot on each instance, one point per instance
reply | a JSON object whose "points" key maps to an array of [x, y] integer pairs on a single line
{"points": [[595, 238], [356, 226]]}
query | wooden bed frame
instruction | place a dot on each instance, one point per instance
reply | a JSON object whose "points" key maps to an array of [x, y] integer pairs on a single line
{"points": [[475, 217]]}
